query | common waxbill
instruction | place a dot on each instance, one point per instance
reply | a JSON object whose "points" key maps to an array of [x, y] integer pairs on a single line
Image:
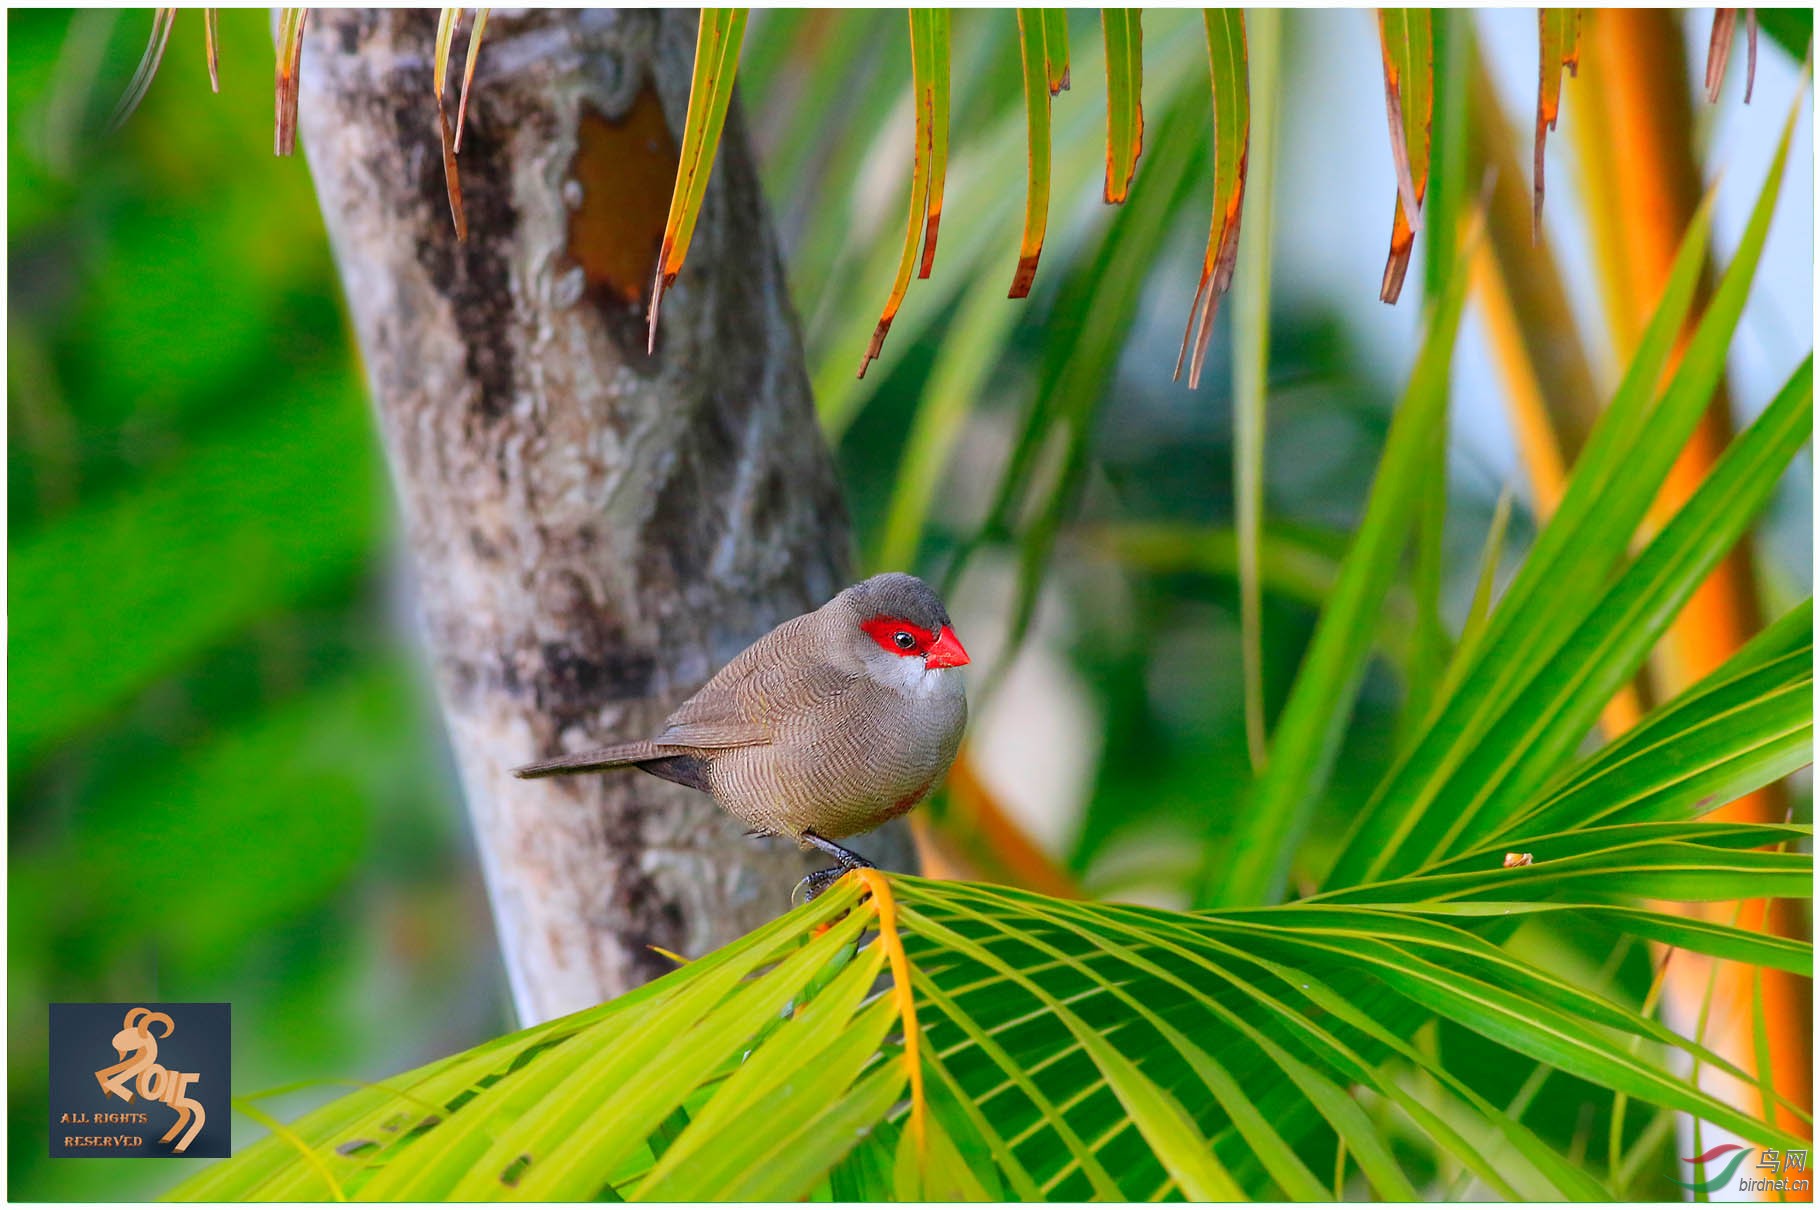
{"points": [[833, 723]]}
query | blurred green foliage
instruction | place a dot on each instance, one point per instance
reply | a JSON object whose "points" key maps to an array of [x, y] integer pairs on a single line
{"points": [[225, 779], [226, 776]]}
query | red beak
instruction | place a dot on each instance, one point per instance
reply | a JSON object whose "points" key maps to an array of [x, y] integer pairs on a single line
{"points": [[946, 652]]}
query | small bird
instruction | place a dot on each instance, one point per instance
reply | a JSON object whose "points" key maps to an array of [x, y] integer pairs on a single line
{"points": [[833, 723]]}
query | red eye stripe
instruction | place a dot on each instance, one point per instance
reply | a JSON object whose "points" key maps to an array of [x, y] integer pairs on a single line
{"points": [[884, 632]]}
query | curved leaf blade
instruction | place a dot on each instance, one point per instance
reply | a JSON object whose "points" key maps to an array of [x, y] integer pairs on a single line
{"points": [[1123, 33], [1251, 371], [717, 41], [1032, 30], [1227, 70], [162, 21], [1406, 41], [1559, 36]]}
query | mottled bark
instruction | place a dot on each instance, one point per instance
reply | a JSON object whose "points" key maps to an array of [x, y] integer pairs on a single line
{"points": [[594, 530]]}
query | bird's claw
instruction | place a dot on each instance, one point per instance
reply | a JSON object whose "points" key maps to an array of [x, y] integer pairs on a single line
{"points": [[815, 883]]}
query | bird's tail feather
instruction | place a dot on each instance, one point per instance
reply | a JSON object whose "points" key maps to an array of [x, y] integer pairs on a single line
{"points": [[600, 758]]}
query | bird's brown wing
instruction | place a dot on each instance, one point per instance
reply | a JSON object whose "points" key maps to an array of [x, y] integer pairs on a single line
{"points": [[711, 733], [760, 692]]}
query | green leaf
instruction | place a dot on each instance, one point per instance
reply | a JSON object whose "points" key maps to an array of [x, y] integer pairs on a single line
{"points": [[162, 21], [1791, 29], [464, 1093], [717, 42], [1683, 932], [1406, 41], [835, 1040], [1560, 48], [1535, 1026], [737, 1163], [1251, 370], [940, 1172], [1162, 1122], [1123, 31], [1032, 44], [1656, 870], [961, 1129], [939, 39], [1227, 71], [1277, 1156], [1480, 608], [1055, 48], [1607, 839], [574, 1129]]}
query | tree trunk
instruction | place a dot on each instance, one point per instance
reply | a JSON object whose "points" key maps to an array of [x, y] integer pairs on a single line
{"points": [[595, 531]]}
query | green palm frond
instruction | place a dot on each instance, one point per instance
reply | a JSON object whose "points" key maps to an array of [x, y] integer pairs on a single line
{"points": [[1064, 1050]]}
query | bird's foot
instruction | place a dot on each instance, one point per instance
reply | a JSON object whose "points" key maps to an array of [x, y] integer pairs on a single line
{"points": [[814, 884], [821, 880]]}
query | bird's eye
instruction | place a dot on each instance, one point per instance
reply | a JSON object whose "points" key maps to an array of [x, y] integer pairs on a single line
{"points": [[903, 640]]}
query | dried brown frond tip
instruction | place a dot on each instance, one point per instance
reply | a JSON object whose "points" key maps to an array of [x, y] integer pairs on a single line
{"points": [[448, 24], [467, 75], [290, 53], [1406, 41], [1719, 51], [1559, 36]]}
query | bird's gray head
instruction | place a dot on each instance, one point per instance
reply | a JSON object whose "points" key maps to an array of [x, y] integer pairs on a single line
{"points": [[899, 595], [904, 617]]}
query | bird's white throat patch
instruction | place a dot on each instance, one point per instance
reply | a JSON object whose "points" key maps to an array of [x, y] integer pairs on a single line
{"points": [[910, 676]]}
